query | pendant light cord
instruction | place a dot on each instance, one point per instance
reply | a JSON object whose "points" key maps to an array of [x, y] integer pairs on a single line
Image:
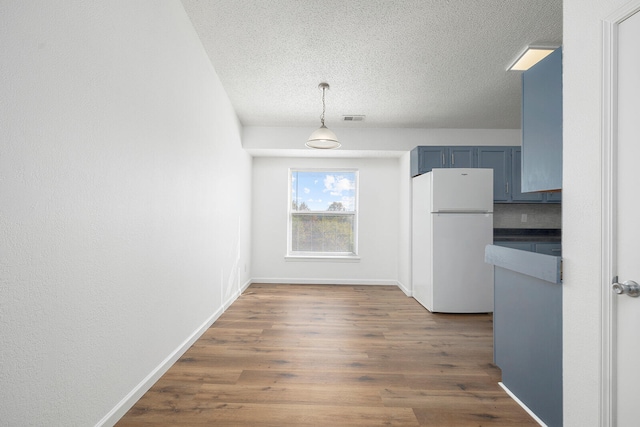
{"points": [[323, 138]]}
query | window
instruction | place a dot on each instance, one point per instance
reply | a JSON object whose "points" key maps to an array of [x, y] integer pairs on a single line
{"points": [[323, 218]]}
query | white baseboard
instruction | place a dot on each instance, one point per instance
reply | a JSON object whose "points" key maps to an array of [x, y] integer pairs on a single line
{"points": [[235, 295], [404, 289], [139, 390], [525, 407], [307, 281]]}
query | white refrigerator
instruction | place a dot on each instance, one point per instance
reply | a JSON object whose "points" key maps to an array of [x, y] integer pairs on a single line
{"points": [[452, 223]]}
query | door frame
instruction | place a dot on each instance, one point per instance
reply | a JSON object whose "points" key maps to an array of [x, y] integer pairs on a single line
{"points": [[609, 140]]}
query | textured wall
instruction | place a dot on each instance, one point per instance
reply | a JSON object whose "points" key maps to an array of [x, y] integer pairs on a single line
{"points": [[404, 224], [124, 202], [258, 138]]}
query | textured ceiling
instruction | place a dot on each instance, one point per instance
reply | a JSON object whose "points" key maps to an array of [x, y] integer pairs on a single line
{"points": [[414, 63]]}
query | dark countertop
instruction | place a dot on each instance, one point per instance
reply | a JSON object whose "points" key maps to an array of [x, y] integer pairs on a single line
{"points": [[527, 235]]}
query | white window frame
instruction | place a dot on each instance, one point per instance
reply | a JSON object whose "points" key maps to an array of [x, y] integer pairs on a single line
{"points": [[307, 255]]}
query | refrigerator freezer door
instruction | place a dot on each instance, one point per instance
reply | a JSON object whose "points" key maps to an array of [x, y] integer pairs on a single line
{"points": [[461, 281], [462, 190]]}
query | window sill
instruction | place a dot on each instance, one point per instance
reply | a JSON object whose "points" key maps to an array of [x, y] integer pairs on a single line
{"points": [[321, 258]]}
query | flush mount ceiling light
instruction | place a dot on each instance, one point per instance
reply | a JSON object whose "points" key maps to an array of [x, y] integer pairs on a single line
{"points": [[530, 57], [323, 138]]}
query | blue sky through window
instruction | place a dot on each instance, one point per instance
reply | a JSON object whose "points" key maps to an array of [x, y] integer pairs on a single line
{"points": [[319, 189]]}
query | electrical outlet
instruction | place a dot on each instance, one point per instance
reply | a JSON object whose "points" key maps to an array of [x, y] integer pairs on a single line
{"points": [[523, 218]]}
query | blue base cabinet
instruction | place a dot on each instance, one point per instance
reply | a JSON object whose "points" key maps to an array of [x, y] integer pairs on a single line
{"points": [[546, 248], [527, 328], [554, 196], [549, 248], [528, 341]]}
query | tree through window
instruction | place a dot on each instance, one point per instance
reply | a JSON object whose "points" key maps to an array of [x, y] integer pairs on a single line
{"points": [[323, 212]]}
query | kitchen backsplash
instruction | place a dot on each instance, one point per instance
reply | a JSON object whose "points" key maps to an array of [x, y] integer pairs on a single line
{"points": [[515, 215]]}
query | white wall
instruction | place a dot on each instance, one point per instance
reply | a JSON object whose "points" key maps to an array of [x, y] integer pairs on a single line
{"points": [[582, 68], [124, 203], [257, 139], [404, 233], [361, 146], [378, 224]]}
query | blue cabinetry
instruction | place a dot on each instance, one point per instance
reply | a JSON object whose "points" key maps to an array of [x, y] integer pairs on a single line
{"points": [[426, 158], [542, 125], [498, 159], [546, 248], [527, 328], [463, 157], [554, 197], [549, 248], [506, 165], [523, 246], [505, 161], [516, 178]]}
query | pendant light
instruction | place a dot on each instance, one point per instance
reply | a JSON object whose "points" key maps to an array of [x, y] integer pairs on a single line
{"points": [[323, 138]]}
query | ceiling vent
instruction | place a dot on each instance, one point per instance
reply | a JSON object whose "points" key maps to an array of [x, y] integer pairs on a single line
{"points": [[353, 118]]}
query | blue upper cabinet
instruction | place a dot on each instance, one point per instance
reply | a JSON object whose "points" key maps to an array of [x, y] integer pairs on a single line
{"points": [[425, 158], [542, 125], [462, 157], [504, 160], [498, 159], [506, 165], [516, 177]]}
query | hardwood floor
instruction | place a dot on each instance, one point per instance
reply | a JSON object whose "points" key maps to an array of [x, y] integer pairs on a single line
{"points": [[308, 355]]}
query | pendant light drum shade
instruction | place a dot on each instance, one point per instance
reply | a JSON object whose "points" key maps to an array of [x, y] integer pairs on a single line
{"points": [[323, 138]]}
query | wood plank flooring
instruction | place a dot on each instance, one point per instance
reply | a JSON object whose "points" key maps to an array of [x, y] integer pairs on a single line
{"points": [[311, 355]]}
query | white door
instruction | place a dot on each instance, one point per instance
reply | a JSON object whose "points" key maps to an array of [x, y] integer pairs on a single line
{"points": [[626, 309]]}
